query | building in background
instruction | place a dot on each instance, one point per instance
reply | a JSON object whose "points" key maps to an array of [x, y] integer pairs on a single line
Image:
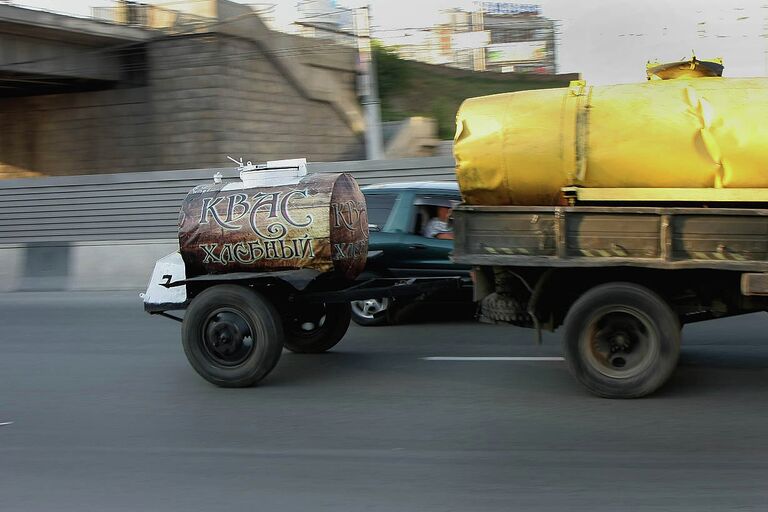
{"points": [[326, 14], [144, 87], [521, 39], [493, 36]]}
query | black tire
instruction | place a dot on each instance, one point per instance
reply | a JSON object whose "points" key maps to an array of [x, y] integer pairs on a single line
{"points": [[232, 336], [393, 311], [315, 328], [381, 317], [621, 340]]}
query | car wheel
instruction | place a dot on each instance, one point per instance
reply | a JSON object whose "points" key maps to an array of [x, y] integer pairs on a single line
{"points": [[370, 312]]}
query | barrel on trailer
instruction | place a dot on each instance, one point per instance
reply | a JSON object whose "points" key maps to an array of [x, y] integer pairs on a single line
{"points": [[318, 223]]}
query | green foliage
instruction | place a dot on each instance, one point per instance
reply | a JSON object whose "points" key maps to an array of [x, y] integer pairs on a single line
{"points": [[409, 89], [392, 72]]}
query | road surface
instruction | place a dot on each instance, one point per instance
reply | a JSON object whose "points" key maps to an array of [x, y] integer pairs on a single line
{"points": [[99, 411]]}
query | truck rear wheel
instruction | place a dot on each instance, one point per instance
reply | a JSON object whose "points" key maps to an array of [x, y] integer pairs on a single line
{"points": [[315, 328], [232, 336], [621, 340]]}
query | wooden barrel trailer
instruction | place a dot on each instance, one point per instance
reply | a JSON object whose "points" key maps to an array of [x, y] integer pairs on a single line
{"points": [[267, 263]]}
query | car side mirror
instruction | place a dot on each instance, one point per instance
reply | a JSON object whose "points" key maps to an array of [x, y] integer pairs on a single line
{"points": [[373, 227]]}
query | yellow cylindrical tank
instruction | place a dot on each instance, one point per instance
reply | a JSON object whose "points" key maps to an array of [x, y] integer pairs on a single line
{"points": [[522, 148]]}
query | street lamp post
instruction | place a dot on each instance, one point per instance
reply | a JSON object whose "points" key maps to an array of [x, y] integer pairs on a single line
{"points": [[368, 86]]}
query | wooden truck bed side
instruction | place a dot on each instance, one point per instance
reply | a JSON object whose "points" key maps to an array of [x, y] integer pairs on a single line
{"points": [[598, 236]]}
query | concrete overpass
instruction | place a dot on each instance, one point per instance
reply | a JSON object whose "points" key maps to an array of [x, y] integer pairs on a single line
{"points": [[42, 52], [154, 90]]}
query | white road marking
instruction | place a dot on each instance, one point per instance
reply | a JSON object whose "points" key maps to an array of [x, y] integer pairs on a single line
{"points": [[447, 358], [6, 423]]}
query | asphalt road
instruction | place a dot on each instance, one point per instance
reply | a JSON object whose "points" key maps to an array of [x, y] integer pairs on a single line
{"points": [[99, 411]]}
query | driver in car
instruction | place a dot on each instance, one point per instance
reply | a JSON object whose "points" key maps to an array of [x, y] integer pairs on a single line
{"points": [[439, 227]]}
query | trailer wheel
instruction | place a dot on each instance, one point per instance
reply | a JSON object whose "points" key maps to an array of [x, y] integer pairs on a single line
{"points": [[315, 328], [621, 340], [232, 336]]}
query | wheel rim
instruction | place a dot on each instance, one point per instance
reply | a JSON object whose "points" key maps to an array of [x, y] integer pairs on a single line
{"points": [[369, 308], [227, 337], [311, 321], [620, 342]]}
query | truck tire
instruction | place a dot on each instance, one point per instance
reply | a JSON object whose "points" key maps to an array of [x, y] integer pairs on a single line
{"points": [[232, 336], [315, 328], [621, 340]]}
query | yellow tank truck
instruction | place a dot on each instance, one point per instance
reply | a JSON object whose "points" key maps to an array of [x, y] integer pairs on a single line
{"points": [[619, 212]]}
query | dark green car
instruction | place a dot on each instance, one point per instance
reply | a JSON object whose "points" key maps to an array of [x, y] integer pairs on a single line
{"points": [[398, 215]]}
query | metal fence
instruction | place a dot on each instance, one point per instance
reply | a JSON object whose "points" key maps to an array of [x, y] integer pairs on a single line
{"points": [[145, 206]]}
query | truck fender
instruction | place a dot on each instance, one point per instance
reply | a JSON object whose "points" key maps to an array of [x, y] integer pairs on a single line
{"points": [[539, 302]]}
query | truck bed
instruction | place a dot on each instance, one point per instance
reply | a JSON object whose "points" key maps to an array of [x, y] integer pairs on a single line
{"points": [[598, 236]]}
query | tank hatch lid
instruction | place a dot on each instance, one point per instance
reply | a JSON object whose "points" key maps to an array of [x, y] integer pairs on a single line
{"points": [[273, 173], [688, 68]]}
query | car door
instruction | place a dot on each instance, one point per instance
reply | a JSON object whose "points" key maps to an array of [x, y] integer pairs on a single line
{"points": [[384, 239], [427, 256]]}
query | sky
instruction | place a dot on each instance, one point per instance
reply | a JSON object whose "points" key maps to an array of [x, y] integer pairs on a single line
{"points": [[607, 41]]}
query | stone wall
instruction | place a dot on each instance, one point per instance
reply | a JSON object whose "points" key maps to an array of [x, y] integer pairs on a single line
{"points": [[205, 96], [185, 80], [75, 133], [265, 116]]}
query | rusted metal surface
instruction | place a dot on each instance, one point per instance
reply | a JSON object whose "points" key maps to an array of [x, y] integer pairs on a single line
{"points": [[609, 235], [320, 223], [735, 239], [754, 284]]}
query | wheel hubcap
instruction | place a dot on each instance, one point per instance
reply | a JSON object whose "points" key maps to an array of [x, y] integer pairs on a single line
{"points": [[369, 308], [311, 321], [620, 342], [312, 324], [227, 337]]}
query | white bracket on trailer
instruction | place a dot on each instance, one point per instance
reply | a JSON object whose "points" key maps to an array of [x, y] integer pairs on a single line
{"points": [[159, 296], [271, 174]]}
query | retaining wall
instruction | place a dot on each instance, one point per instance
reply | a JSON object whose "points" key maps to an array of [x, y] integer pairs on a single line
{"points": [[104, 232]]}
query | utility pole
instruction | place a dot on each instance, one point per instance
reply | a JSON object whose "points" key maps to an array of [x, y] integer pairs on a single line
{"points": [[764, 35], [368, 85], [478, 24]]}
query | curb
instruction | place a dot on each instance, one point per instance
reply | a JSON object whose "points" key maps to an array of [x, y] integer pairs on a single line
{"points": [[80, 266]]}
